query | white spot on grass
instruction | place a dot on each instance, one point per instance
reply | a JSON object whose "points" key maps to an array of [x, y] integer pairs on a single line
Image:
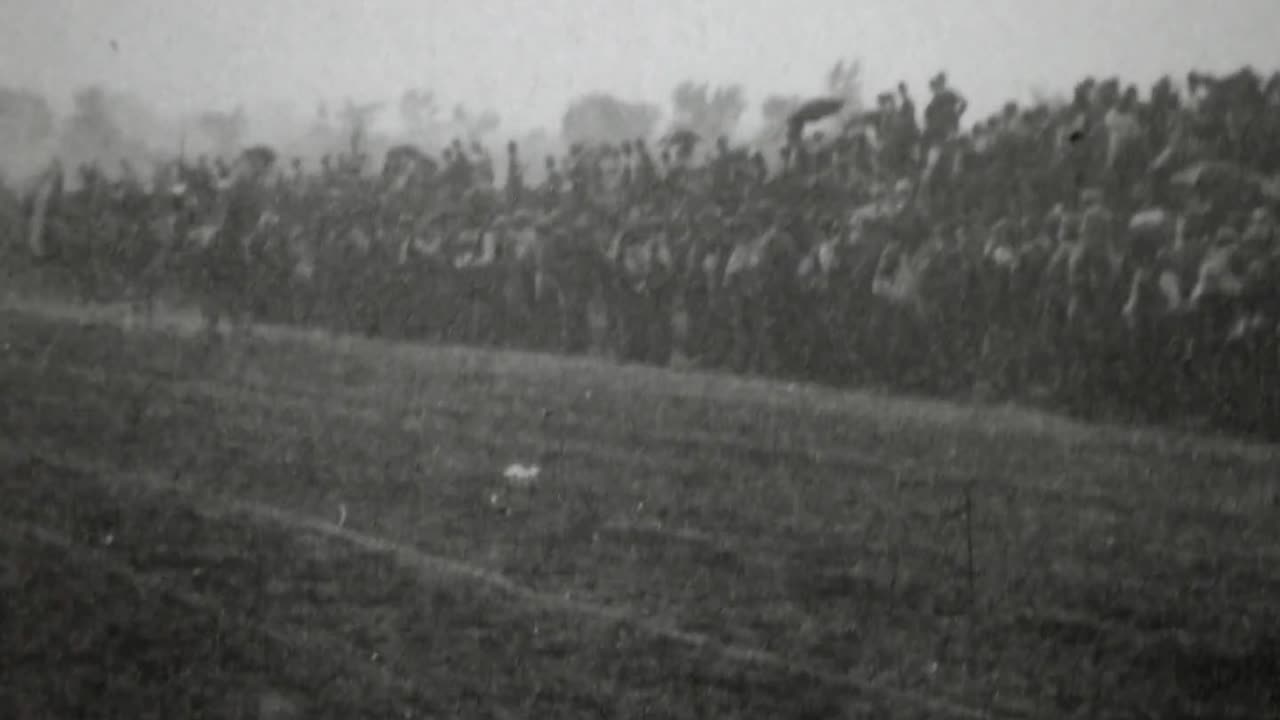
{"points": [[521, 475]]}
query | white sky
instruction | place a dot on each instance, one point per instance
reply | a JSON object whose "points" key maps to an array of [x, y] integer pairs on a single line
{"points": [[527, 58]]}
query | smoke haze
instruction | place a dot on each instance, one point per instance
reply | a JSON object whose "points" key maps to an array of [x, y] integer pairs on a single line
{"points": [[154, 71]]}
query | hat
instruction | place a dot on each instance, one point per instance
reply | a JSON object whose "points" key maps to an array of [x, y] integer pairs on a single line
{"points": [[260, 155]]}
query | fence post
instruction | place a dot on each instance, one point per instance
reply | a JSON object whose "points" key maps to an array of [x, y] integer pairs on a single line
{"points": [[968, 526], [970, 645]]}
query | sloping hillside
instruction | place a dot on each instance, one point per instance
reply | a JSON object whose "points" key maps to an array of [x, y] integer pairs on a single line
{"points": [[324, 527]]}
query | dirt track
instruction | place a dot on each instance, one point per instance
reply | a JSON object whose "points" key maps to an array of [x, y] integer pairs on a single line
{"points": [[695, 547]]}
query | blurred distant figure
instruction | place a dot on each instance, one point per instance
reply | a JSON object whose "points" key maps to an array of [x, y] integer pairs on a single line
{"points": [[942, 115], [226, 261], [515, 175], [1125, 150]]}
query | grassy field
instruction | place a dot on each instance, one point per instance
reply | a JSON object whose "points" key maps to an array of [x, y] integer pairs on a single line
{"points": [[320, 528]]}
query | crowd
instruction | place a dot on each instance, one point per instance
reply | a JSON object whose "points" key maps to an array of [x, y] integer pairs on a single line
{"points": [[1114, 254]]}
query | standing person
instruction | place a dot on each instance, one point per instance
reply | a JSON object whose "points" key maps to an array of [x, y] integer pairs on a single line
{"points": [[44, 205], [1124, 152], [226, 260], [515, 176], [908, 128], [552, 185], [1095, 296], [943, 113]]}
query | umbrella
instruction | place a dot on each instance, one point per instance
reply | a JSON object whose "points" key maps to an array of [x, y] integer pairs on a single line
{"points": [[405, 151], [1152, 220], [684, 140], [866, 213], [681, 136], [1228, 179], [815, 109], [260, 155], [1217, 175]]}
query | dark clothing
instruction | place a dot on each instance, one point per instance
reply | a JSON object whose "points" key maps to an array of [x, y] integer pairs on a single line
{"points": [[942, 116]]}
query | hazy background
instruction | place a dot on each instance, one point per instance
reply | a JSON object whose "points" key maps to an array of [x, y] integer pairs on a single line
{"points": [[514, 66]]}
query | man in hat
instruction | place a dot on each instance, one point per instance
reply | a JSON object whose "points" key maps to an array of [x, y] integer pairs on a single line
{"points": [[908, 125], [885, 116], [646, 174], [630, 265], [552, 184], [565, 261], [1091, 264], [1262, 263], [1096, 249], [899, 131], [226, 261], [1097, 222], [1218, 298], [703, 263], [942, 114], [515, 175], [627, 172], [1124, 141], [1260, 234]]}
